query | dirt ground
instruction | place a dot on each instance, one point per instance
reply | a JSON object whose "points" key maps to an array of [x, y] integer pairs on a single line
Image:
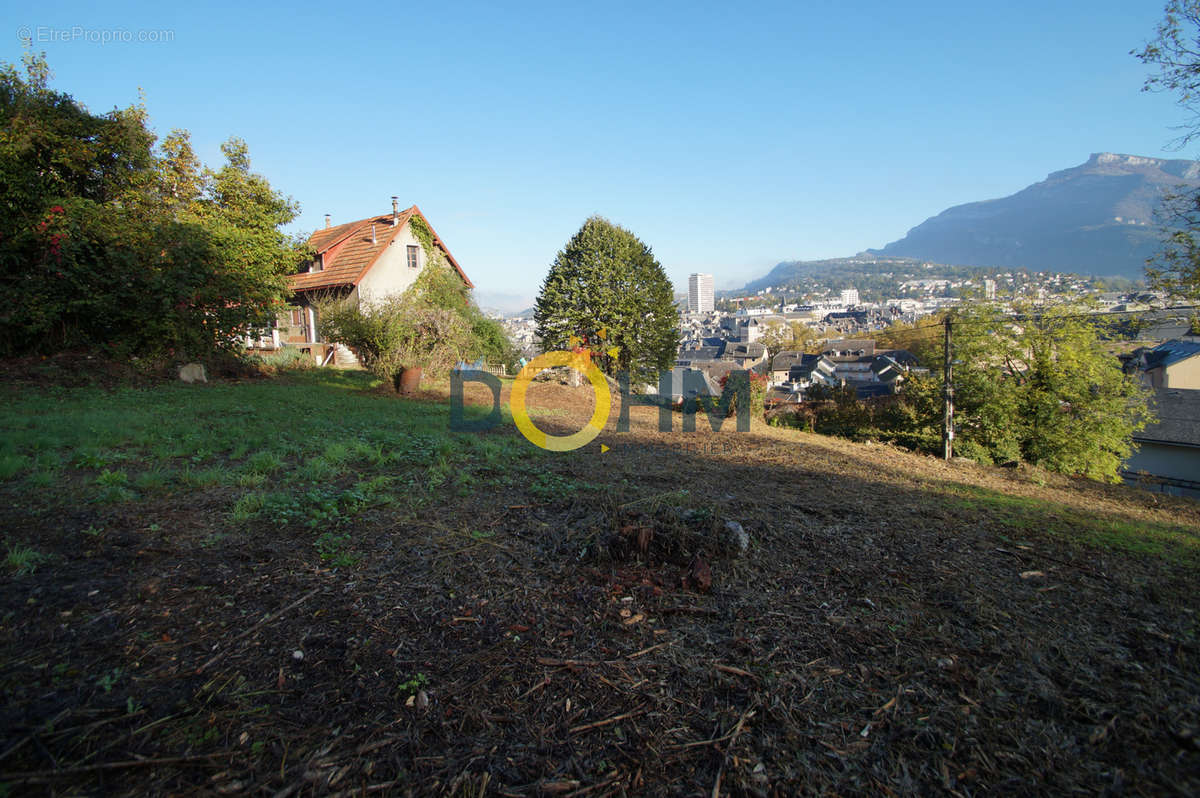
{"points": [[896, 625]]}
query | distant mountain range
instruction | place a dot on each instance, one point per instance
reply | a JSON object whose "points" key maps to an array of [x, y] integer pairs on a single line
{"points": [[503, 304], [1092, 219], [830, 272]]}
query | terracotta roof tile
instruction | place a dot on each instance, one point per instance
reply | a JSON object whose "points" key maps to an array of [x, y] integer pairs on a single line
{"points": [[322, 239], [348, 252]]}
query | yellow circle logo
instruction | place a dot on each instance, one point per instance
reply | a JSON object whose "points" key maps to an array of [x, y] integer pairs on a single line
{"points": [[560, 443]]}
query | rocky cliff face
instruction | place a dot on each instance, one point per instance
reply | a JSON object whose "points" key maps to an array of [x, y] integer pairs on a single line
{"points": [[1096, 218]]}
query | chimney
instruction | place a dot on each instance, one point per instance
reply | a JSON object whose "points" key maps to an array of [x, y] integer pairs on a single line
{"points": [[395, 211], [373, 241], [328, 220]]}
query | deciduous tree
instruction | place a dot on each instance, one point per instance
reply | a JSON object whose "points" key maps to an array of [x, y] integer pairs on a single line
{"points": [[107, 244], [1175, 51], [1040, 387], [777, 337], [1036, 386]]}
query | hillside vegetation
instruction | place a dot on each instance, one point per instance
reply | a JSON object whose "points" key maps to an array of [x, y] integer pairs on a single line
{"points": [[306, 585]]}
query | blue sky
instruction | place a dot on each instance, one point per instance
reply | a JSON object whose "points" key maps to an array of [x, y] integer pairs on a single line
{"points": [[727, 136]]}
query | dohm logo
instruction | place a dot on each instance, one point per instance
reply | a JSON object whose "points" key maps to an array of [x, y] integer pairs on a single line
{"points": [[687, 389]]}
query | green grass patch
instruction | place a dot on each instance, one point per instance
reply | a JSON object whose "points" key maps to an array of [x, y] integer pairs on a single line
{"points": [[23, 560], [11, 465], [1030, 517], [247, 507], [549, 486], [264, 462], [202, 477], [156, 479], [96, 458], [316, 470], [251, 480], [42, 480], [116, 478], [334, 550], [314, 449]]}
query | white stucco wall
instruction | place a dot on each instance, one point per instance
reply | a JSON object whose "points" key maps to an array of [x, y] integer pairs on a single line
{"points": [[391, 273]]}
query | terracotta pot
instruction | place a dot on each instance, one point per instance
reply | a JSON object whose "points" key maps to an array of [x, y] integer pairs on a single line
{"points": [[410, 379]]}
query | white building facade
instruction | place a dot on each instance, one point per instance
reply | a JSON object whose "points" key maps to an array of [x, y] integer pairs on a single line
{"points": [[700, 293]]}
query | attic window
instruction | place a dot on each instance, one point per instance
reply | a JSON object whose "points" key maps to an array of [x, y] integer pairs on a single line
{"points": [[318, 264], [413, 261]]}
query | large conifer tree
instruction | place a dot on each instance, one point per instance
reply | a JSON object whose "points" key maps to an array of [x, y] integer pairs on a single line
{"points": [[605, 286]]}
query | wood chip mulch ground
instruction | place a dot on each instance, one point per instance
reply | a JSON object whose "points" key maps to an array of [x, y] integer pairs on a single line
{"points": [[872, 640]]}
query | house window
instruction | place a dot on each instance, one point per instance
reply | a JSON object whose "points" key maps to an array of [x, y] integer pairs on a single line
{"points": [[413, 263], [297, 317]]}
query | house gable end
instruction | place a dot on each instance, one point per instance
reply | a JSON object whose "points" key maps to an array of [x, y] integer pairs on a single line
{"points": [[351, 251]]}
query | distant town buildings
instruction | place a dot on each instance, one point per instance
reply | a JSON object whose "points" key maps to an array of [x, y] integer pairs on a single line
{"points": [[700, 293], [854, 363], [821, 339]]}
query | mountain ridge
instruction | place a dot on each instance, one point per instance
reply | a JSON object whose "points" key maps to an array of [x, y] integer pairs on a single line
{"points": [[1096, 218]]}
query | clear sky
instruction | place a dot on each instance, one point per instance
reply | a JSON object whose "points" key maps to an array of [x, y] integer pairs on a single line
{"points": [[728, 136]]}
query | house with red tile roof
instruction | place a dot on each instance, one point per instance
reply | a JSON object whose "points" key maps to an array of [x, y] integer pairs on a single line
{"points": [[368, 259]]}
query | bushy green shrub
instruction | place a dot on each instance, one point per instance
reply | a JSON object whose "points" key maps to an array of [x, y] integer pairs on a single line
{"points": [[432, 325], [1037, 387], [109, 244]]}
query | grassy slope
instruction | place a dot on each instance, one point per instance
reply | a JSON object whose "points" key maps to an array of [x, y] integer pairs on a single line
{"points": [[879, 631]]}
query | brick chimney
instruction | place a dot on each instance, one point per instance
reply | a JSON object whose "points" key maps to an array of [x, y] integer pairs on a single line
{"points": [[328, 221], [395, 211]]}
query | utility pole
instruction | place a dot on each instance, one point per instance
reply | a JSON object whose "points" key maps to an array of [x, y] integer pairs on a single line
{"points": [[948, 398]]}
